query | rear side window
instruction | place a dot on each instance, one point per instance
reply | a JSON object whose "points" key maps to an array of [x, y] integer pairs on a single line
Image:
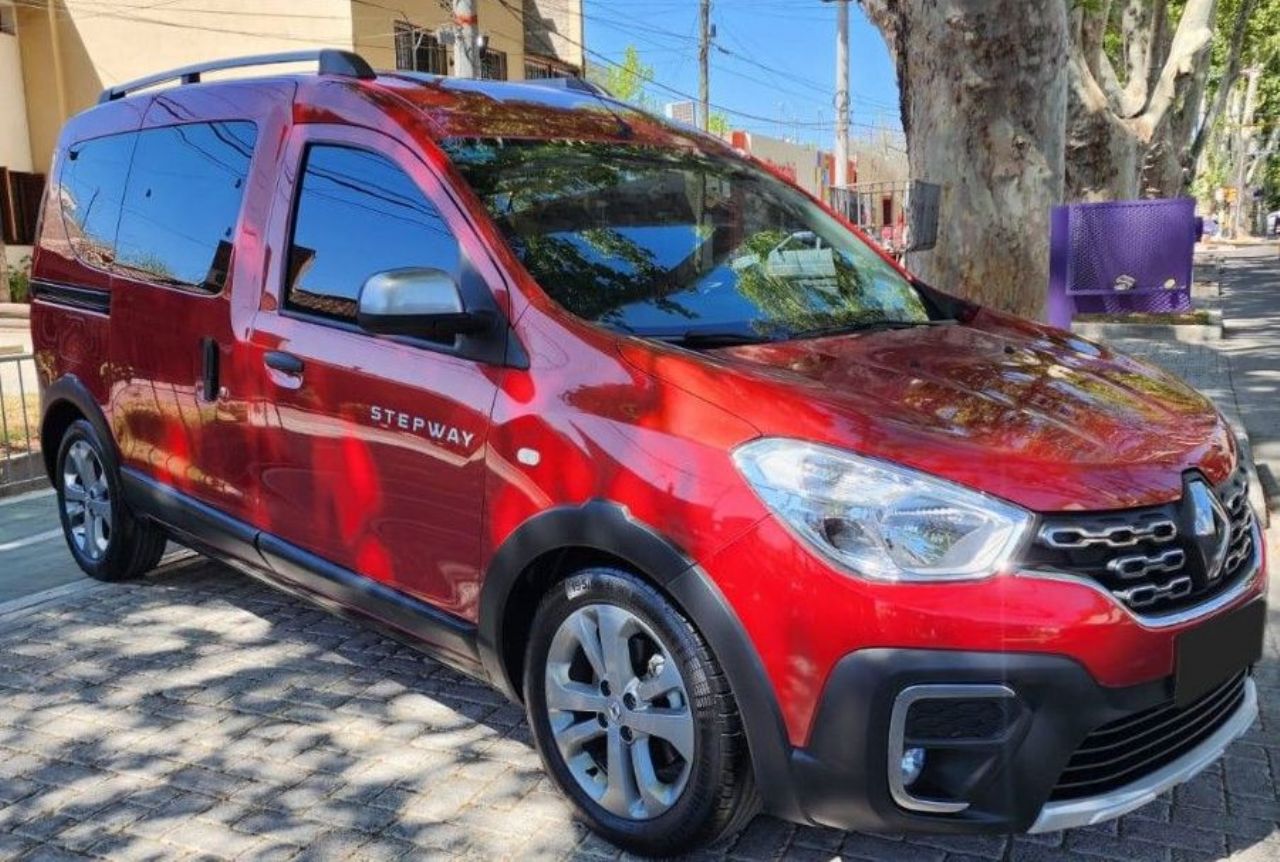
{"points": [[182, 203], [91, 188], [359, 214]]}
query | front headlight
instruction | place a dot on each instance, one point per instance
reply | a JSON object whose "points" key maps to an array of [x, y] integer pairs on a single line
{"points": [[879, 520]]}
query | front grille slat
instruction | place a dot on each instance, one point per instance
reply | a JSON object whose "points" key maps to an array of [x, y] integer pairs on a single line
{"points": [[1141, 556], [1158, 736], [1137, 732]]}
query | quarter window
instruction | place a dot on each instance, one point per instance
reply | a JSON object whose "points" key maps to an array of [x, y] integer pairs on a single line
{"points": [[359, 214], [91, 188], [182, 204]]}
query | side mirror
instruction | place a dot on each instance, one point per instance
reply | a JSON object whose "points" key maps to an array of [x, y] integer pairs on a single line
{"points": [[423, 302]]}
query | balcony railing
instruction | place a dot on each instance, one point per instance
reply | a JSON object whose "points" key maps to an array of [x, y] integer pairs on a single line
{"points": [[900, 216]]}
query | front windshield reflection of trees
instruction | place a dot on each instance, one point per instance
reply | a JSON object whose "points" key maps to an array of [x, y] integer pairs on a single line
{"points": [[668, 241]]}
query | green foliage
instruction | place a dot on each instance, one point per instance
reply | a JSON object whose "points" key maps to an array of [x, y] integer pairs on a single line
{"points": [[1271, 185], [20, 281], [626, 80], [1261, 47], [718, 124]]}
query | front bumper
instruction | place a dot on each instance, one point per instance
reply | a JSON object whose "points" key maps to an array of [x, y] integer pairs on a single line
{"points": [[1009, 782], [1096, 809]]}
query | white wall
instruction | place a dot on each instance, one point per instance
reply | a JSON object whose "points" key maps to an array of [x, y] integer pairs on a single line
{"points": [[15, 253], [15, 142]]}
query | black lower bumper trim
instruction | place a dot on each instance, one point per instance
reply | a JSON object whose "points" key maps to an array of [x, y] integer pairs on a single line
{"points": [[841, 777]]}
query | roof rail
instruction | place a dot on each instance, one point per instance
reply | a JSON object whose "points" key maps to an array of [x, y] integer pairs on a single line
{"points": [[332, 62]]}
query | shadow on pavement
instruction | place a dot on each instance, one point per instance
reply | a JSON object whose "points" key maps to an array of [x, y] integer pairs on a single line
{"points": [[201, 711]]}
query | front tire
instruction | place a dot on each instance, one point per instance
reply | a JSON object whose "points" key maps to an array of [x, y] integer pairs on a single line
{"points": [[634, 718], [106, 540]]}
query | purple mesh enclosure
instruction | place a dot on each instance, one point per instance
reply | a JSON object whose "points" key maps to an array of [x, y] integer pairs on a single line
{"points": [[1123, 256]]}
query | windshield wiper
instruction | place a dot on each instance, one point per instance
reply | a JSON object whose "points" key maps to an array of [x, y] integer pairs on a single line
{"points": [[867, 326], [708, 338]]}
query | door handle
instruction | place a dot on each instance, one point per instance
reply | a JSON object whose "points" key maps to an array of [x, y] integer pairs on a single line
{"points": [[209, 369], [285, 363]]}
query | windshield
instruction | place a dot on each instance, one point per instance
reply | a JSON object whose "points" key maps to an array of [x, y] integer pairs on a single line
{"points": [[672, 243]]}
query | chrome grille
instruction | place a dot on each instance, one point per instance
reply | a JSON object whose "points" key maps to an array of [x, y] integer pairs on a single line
{"points": [[1148, 558], [1124, 751], [1115, 531]]}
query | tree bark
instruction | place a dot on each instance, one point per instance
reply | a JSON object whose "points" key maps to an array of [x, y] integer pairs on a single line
{"points": [[1230, 71], [1116, 132], [1102, 159], [1264, 155], [983, 92], [1243, 136]]}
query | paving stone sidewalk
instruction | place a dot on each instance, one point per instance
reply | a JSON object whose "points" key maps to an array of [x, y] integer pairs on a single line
{"points": [[199, 714]]}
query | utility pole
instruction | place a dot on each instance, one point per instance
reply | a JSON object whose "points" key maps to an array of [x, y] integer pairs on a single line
{"points": [[704, 56], [842, 93], [466, 39]]}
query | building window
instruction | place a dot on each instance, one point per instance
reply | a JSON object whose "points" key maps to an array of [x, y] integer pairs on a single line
{"points": [[493, 65], [418, 50], [8, 20], [538, 68], [20, 194]]}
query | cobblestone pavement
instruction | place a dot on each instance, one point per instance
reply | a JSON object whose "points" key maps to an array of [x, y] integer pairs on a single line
{"points": [[201, 714]]}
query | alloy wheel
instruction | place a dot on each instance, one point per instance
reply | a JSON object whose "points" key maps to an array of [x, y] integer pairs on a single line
{"points": [[86, 500], [619, 711]]}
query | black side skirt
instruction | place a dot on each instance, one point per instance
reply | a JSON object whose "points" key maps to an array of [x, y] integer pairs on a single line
{"points": [[444, 636]]}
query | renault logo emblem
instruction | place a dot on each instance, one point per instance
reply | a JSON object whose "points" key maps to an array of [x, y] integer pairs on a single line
{"points": [[1210, 528]]}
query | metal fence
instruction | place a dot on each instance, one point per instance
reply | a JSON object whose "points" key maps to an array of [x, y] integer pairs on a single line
{"points": [[20, 462], [901, 216]]}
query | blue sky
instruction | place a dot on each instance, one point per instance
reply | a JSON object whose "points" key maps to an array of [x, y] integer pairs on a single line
{"points": [[780, 64]]}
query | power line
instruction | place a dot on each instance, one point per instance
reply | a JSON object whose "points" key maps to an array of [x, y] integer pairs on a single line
{"points": [[515, 13], [630, 27], [519, 16]]}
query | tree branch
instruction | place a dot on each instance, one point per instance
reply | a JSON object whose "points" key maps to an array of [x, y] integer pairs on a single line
{"points": [[1230, 72], [1190, 41], [1264, 155], [1138, 34], [1092, 70], [1093, 31]]}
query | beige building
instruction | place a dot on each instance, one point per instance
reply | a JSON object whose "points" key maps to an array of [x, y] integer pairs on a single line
{"points": [[873, 160], [56, 56]]}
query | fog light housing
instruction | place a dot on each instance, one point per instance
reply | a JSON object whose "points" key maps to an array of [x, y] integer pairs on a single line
{"points": [[912, 765], [936, 751]]}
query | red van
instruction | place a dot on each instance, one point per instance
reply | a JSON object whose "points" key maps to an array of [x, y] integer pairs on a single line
{"points": [[596, 409]]}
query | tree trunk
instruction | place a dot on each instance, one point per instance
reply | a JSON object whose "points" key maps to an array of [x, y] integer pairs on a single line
{"points": [[1244, 135], [1230, 71], [1169, 168], [1118, 132], [1102, 155], [1264, 155], [983, 89]]}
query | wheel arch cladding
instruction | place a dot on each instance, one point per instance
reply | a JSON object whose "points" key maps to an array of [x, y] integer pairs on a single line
{"points": [[66, 400], [564, 539]]}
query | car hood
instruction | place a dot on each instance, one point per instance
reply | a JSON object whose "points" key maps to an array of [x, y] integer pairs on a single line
{"points": [[1020, 410]]}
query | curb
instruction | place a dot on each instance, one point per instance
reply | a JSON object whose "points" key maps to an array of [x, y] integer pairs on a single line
{"points": [[1186, 333], [16, 609], [1270, 486], [20, 607], [22, 473]]}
